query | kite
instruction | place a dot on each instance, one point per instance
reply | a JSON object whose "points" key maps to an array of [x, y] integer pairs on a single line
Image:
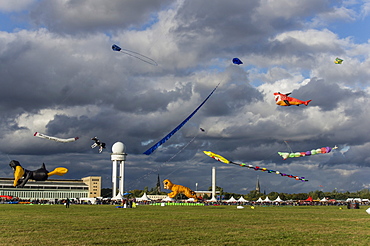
{"points": [[178, 189], [322, 150], [135, 54], [169, 135], [98, 143], [237, 61], [284, 100], [21, 175], [263, 169], [338, 61], [61, 140]]}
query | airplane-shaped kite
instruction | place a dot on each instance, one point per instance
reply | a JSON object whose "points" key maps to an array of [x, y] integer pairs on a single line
{"points": [[284, 100]]}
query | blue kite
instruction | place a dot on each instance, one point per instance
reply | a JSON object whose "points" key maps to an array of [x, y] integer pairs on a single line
{"points": [[169, 135], [237, 61]]}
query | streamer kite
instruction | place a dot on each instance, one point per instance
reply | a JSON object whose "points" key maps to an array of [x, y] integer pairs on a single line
{"points": [[169, 135], [61, 140], [256, 168], [323, 150], [134, 54]]}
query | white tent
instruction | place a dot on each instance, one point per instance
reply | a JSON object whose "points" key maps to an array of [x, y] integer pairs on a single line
{"points": [[267, 199], [143, 198], [278, 199], [213, 199], [259, 200], [168, 199], [118, 197], [324, 200], [191, 199], [241, 199], [232, 199]]}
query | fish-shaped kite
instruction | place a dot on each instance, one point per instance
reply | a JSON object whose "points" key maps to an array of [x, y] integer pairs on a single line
{"points": [[284, 100], [263, 169]]}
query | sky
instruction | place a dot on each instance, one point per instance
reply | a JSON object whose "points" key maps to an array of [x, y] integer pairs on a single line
{"points": [[60, 77]]}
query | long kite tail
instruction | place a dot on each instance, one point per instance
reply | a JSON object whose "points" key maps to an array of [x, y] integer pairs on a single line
{"points": [[256, 168], [169, 135]]}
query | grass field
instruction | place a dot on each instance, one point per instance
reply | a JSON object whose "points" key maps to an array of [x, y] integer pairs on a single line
{"points": [[182, 225]]}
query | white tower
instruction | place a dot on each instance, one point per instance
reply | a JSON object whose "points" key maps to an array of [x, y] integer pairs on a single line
{"points": [[118, 156], [213, 183]]}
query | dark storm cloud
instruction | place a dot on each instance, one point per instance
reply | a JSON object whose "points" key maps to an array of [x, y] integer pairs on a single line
{"points": [[151, 100], [242, 26], [82, 16], [75, 85]]}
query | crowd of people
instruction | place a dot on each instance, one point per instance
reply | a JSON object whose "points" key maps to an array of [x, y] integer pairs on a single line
{"points": [[130, 202]]}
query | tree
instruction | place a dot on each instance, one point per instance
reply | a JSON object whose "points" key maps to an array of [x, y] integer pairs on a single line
{"points": [[106, 192], [221, 190]]}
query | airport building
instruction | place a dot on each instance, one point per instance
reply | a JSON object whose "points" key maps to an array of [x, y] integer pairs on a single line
{"points": [[87, 187]]}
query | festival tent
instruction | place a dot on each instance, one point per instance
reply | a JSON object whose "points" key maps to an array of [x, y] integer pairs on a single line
{"points": [[324, 200], [6, 197], [309, 199], [168, 199], [278, 199], [213, 199], [241, 199], [191, 199], [118, 197], [232, 199], [267, 199], [354, 200], [143, 198], [259, 200]]}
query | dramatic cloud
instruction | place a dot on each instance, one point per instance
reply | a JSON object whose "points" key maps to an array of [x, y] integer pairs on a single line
{"points": [[60, 77]]}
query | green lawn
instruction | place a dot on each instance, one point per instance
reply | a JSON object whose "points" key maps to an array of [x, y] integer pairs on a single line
{"points": [[182, 225]]}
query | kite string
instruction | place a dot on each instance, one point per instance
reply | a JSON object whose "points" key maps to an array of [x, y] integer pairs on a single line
{"points": [[286, 142], [145, 176], [139, 56], [179, 153]]}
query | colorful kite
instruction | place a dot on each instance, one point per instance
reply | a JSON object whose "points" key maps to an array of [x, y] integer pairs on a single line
{"points": [[263, 169], [21, 175], [338, 61], [284, 100], [98, 143], [178, 189], [135, 54], [169, 135], [61, 140], [322, 150], [237, 61]]}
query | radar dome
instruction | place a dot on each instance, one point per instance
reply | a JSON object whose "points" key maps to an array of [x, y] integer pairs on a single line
{"points": [[118, 147]]}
